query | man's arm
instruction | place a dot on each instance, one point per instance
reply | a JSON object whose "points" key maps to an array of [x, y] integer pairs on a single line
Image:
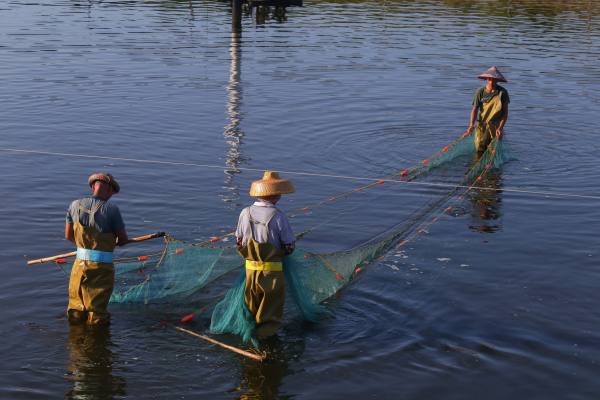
{"points": [[69, 233], [239, 230], [122, 238], [288, 240], [289, 248], [472, 119]]}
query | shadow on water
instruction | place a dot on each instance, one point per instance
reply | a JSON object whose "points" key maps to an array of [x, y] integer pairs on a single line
{"points": [[91, 363]]}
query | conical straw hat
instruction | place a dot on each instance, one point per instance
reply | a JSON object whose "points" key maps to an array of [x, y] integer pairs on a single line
{"points": [[106, 178], [493, 73], [271, 184]]}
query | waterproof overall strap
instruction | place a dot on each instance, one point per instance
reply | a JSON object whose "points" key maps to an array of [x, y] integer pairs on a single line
{"points": [[91, 212], [263, 225]]}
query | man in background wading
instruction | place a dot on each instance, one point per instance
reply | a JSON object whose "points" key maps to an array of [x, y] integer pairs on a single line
{"points": [[264, 237], [491, 103], [95, 225]]}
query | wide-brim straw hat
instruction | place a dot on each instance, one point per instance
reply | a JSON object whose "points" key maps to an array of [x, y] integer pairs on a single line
{"points": [[271, 184], [104, 177], [493, 73]]}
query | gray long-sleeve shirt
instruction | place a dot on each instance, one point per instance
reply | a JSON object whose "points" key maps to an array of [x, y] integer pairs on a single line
{"points": [[278, 232]]}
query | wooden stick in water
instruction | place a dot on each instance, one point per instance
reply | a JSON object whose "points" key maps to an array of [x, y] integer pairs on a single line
{"points": [[74, 253], [254, 356]]}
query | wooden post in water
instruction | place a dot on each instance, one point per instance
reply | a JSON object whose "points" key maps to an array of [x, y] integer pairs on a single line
{"points": [[236, 16]]}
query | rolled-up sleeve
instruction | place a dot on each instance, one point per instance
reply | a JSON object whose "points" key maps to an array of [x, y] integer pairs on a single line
{"points": [[286, 234], [116, 220], [69, 217], [242, 222]]}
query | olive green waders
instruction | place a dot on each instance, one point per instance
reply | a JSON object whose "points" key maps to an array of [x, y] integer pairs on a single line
{"points": [[264, 293], [489, 117], [92, 279]]}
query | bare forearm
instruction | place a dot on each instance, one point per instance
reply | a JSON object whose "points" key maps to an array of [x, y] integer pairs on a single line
{"points": [[473, 117], [69, 233], [122, 238], [503, 120]]}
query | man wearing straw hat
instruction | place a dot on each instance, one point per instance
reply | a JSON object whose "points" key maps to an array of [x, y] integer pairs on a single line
{"points": [[491, 103], [264, 237], [95, 225]]}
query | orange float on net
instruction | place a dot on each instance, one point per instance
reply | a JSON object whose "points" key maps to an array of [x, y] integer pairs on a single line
{"points": [[187, 318], [445, 149], [358, 269], [178, 251], [404, 173], [493, 151], [339, 276], [449, 209], [425, 162], [214, 239], [402, 243], [140, 270], [478, 178], [306, 209], [380, 182], [61, 261], [143, 258]]}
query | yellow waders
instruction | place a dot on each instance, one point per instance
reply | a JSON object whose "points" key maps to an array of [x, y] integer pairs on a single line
{"points": [[264, 294], [92, 282], [489, 116]]}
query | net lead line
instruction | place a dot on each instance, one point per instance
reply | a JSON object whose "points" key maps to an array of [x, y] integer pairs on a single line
{"points": [[302, 173]]}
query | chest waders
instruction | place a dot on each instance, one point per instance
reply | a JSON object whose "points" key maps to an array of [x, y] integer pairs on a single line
{"points": [[489, 118], [93, 275], [264, 292]]}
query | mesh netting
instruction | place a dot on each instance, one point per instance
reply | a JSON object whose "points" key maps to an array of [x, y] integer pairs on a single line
{"points": [[182, 270]]}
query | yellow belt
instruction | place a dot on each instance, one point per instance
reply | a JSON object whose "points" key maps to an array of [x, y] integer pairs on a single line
{"points": [[264, 265]]}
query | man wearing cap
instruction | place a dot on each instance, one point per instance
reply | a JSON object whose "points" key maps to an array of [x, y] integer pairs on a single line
{"points": [[95, 225], [264, 237], [491, 103]]}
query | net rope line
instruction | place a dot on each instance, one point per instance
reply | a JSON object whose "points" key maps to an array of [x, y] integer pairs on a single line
{"points": [[419, 228], [421, 221], [430, 213], [351, 266], [410, 173], [304, 173]]}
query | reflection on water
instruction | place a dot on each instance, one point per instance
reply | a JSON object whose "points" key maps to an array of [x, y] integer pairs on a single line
{"points": [[359, 79], [547, 8], [233, 134], [486, 202], [506, 8], [91, 364], [261, 381], [263, 14]]}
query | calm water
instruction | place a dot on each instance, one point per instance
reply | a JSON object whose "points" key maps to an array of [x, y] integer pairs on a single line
{"points": [[497, 301]]}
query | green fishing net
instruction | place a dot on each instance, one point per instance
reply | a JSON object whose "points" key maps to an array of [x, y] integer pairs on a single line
{"points": [[182, 270]]}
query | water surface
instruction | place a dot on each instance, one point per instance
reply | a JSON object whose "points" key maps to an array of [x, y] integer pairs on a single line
{"points": [[498, 300]]}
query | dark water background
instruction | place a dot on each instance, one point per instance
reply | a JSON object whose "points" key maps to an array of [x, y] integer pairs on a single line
{"points": [[497, 301]]}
